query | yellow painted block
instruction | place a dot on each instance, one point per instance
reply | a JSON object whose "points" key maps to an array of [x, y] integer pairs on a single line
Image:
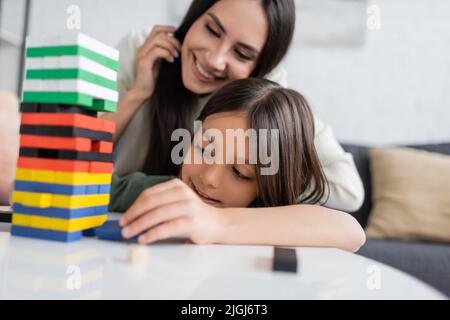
{"points": [[58, 224], [62, 177], [40, 200], [21, 220], [46, 200]]}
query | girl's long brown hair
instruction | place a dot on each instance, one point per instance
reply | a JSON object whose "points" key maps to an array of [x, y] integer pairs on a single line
{"points": [[270, 106], [173, 106]]}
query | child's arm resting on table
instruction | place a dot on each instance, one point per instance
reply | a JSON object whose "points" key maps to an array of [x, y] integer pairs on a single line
{"points": [[295, 225], [172, 209]]}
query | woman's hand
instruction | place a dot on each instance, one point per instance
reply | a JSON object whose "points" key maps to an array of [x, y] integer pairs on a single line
{"points": [[171, 209], [160, 44]]}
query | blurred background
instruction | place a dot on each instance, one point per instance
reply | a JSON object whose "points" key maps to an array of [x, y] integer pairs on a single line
{"points": [[377, 71]]}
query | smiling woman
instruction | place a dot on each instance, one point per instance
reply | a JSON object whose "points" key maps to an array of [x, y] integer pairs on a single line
{"points": [[213, 55]]}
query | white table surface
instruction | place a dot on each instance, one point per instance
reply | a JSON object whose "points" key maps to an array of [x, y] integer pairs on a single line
{"points": [[95, 269]]}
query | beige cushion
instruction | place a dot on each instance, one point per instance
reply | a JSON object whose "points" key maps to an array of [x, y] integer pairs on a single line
{"points": [[411, 195]]}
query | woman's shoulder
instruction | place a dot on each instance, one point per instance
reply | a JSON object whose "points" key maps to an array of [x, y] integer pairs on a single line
{"points": [[134, 38], [278, 75], [127, 47]]}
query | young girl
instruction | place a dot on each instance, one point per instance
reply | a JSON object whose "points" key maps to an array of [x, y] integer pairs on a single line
{"points": [[232, 202]]}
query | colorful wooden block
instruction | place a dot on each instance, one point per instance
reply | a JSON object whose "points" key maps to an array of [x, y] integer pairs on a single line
{"points": [[73, 38], [61, 131], [20, 219], [29, 107], [45, 234], [58, 224], [102, 147], [64, 143], [63, 189], [46, 200], [78, 74], [64, 165], [63, 177], [70, 120], [84, 100], [71, 50], [60, 212], [71, 85], [65, 154], [70, 62], [285, 259], [111, 231]]}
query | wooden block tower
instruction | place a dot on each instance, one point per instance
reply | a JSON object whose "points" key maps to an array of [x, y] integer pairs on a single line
{"points": [[63, 176]]}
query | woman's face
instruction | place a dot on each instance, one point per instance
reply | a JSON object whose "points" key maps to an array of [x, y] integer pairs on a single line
{"points": [[229, 184], [223, 45]]}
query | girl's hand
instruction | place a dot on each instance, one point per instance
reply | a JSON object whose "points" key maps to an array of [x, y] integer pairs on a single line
{"points": [[160, 44], [171, 209]]}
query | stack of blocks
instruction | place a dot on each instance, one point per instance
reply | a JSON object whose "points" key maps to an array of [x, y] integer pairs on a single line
{"points": [[63, 176]]}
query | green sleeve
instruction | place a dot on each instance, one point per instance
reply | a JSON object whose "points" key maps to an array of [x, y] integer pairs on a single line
{"points": [[125, 190]]}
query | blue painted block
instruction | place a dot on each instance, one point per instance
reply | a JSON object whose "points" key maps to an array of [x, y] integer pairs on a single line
{"points": [[89, 232], [45, 234], [104, 188], [60, 212], [101, 210], [93, 189], [111, 230], [64, 189]]}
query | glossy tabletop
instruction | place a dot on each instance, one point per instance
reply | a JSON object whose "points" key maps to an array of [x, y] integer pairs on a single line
{"points": [[175, 269]]}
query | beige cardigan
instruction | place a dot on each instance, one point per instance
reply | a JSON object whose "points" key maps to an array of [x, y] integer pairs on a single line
{"points": [[345, 187]]}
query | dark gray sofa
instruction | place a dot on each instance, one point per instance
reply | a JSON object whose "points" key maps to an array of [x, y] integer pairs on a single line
{"points": [[427, 261]]}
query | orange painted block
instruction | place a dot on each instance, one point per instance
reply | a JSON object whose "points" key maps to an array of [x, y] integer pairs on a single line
{"points": [[59, 143], [102, 146], [101, 167], [69, 120], [108, 126], [64, 165]]}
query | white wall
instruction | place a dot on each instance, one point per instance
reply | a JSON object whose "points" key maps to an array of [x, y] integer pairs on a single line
{"points": [[106, 20], [393, 89], [11, 29]]}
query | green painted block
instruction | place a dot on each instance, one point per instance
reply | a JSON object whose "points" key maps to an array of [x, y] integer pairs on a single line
{"points": [[54, 51], [58, 97], [75, 98], [104, 105], [71, 74]]}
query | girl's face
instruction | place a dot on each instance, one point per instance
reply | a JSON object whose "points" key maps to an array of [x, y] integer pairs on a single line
{"points": [[223, 45], [221, 185]]}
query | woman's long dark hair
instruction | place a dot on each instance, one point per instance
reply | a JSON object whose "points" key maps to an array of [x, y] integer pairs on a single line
{"points": [[173, 106], [270, 106]]}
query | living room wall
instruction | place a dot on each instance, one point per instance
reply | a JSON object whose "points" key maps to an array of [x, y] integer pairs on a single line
{"points": [[393, 88]]}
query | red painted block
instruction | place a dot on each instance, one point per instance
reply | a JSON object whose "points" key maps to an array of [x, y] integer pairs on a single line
{"points": [[65, 165], [70, 120], [108, 126], [102, 146], [59, 143]]}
